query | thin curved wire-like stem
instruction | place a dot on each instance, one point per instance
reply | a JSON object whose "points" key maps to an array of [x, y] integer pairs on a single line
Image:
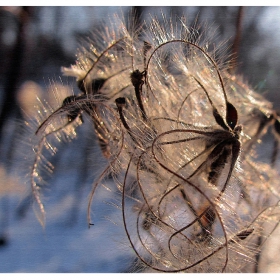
{"points": [[149, 251], [196, 188], [143, 194], [139, 235], [102, 54], [235, 151], [200, 49], [148, 264], [147, 203], [168, 192], [197, 219]]}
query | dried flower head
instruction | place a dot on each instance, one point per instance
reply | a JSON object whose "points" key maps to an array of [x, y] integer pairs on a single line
{"points": [[175, 129]]}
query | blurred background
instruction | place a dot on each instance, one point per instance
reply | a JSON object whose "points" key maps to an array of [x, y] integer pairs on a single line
{"points": [[34, 43]]}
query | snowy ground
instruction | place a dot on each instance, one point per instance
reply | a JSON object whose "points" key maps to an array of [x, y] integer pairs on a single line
{"points": [[64, 246]]}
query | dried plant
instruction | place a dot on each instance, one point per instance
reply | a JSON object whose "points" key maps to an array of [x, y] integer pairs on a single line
{"points": [[178, 133]]}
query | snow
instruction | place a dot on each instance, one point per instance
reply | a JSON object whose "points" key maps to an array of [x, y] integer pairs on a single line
{"points": [[63, 246]]}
